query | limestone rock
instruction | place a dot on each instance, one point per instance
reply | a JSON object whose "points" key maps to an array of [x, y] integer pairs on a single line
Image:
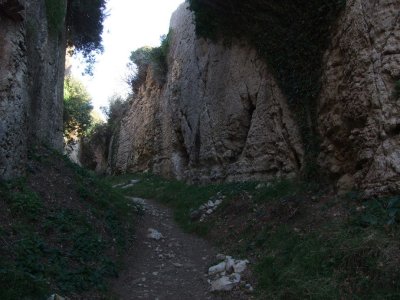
{"points": [[31, 83], [154, 234], [219, 116], [225, 283], [358, 111], [240, 266], [217, 268]]}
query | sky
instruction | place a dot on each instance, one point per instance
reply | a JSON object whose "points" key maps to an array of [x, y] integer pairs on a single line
{"points": [[130, 25]]}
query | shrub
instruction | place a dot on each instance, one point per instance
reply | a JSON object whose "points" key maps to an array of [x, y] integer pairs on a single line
{"points": [[145, 57], [77, 109]]}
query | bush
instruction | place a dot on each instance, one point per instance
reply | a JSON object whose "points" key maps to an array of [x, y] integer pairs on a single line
{"points": [[77, 109], [141, 58], [145, 57]]}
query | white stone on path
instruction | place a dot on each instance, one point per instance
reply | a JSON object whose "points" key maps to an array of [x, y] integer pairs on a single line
{"points": [[230, 262], [225, 283], [240, 265], [217, 268], [154, 234]]}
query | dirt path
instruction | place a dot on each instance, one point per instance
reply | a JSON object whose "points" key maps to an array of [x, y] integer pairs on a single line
{"points": [[172, 267]]}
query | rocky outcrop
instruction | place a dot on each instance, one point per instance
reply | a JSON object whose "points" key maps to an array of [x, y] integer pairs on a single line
{"points": [[31, 83], [358, 110], [219, 116]]}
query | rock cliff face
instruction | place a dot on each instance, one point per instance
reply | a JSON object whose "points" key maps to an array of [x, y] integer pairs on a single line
{"points": [[219, 116], [31, 83], [358, 110]]}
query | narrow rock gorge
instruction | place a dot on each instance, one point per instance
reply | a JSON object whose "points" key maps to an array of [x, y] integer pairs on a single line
{"points": [[225, 111], [221, 114]]}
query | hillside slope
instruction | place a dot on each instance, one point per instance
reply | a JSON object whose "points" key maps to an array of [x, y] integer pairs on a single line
{"points": [[62, 230]]}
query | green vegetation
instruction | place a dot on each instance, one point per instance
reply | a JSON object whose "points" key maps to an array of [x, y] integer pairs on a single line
{"points": [[304, 242], [56, 11], [77, 109], [83, 21], [146, 57], [84, 24], [291, 36], [63, 236]]}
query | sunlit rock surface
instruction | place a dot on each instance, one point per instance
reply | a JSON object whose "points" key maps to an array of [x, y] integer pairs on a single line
{"points": [[219, 116]]}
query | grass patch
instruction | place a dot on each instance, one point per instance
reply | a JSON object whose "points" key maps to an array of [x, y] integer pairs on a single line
{"points": [[184, 198], [63, 230]]}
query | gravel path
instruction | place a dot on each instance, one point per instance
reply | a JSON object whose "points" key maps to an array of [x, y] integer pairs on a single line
{"points": [[172, 267]]}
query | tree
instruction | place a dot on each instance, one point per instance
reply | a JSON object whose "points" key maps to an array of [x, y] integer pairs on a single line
{"points": [[142, 59], [84, 23], [77, 109], [146, 57]]}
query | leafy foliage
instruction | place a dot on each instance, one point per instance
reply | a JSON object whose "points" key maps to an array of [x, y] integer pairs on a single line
{"points": [[141, 59], [159, 57], [291, 36], [85, 25], [77, 109], [146, 57]]}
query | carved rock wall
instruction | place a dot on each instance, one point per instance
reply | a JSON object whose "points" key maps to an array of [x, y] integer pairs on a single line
{"points": [[359, 114], [13, 95], [219, 116], [31, 83]]}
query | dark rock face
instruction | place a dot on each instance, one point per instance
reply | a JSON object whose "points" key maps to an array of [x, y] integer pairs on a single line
{"points": [[31, 83]]}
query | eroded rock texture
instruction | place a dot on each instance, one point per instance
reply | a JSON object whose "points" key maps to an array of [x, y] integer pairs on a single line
{"points": [[359, 116], [13, 96], [31, 83], [219, 116]]}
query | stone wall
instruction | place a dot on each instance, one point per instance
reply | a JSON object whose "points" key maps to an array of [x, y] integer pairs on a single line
{"points": [[31, 83], [359, 114], [13, 93], [220, 116]]}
